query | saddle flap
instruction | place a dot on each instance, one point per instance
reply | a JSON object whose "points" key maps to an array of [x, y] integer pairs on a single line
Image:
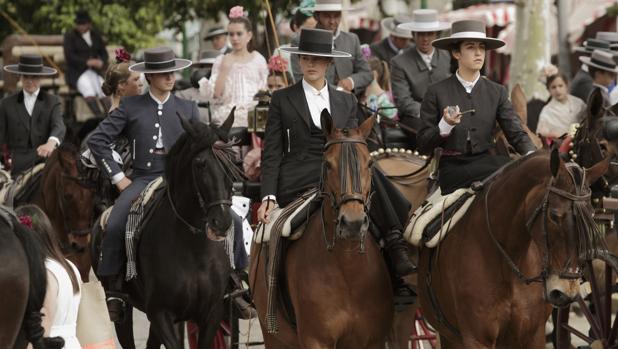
{"points": [[289, 220]]}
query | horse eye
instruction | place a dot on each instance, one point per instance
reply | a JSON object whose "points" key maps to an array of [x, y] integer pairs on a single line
{"points": [[554, 215]]}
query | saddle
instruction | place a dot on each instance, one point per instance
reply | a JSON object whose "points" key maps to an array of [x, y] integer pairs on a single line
{"points": [[22, 187], [431, 222]]}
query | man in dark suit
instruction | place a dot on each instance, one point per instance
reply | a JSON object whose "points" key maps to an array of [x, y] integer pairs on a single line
{"points": [[218, 39], [86, 58], [395, 43], [294, 144], [459, 113], [349, 73], [31, 125], [602, 68], [582, 83], [418, 66]]}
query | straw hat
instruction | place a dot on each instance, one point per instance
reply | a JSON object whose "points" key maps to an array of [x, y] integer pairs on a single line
{"points": [[392, 25], [467, 30], [424, 20]]}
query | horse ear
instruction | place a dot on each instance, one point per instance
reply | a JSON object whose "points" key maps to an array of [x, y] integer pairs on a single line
{"points": [[595, 106], [554, 162], [186, 125], [326, 121], [227, 124], [520, 104], [597, 170], [366, 127]]}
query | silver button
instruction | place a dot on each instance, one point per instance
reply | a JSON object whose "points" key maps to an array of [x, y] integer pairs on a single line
{"points": [[148, 164], [154, 137], [157, 125], [151, 151], [160, 112]]}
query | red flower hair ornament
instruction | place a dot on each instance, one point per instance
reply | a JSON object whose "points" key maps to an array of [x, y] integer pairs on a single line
{"points": [[25, 220], [122, 55]]}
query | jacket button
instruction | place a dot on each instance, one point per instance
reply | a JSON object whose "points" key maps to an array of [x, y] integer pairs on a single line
{"points": [[148, 164], [154, 137], [157, 125], [151, 151], [160, 112]]}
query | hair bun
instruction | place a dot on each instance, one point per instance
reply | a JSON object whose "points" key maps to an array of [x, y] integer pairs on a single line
{"points": [[107, 89]]}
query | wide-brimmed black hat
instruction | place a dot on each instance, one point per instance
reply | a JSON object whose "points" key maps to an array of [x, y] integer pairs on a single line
{"points": [[316, 42], [207, 57], [601, 59], [215, 31], [160, 60], [30, 64], [82, 17], [593, 44], [468, 30]]}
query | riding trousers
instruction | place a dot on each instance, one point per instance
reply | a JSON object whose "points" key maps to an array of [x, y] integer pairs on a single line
{"points": [[461, 171], [112, 247]]}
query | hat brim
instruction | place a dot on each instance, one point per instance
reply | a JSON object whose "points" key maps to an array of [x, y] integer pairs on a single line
{"points": [[414, 27], [447, 43], [215, 33], [14, 69], [179, 64], [588, 61], [389, 24], [582, 49], [326, 8], [333, 54], [203, 62]]}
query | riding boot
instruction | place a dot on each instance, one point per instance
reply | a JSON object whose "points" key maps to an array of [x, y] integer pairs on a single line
{"points": [[115, 297], [397, 252], [240, 296]]}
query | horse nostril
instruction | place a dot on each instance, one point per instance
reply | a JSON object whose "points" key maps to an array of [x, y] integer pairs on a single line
{"points": [[558, 298]]}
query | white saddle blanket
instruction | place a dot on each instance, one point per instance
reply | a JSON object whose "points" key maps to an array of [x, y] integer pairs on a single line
{"points": [[262, 233], [432, 209]]}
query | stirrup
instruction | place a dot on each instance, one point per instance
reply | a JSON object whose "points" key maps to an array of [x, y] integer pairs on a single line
{"points": [[403, 297], [117, 308]]}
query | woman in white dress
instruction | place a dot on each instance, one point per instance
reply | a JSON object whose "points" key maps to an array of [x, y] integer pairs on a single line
{"points": [[237, 76], [63, 293], [561, 111]]}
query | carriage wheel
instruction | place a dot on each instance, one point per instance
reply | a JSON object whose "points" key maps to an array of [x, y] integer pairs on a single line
{"points": [[597, 307]]}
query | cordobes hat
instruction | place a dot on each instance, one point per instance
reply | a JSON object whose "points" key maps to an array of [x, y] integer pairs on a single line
{"points": [[160, 60], [601, 59], [215, 31], [424, 20], [467, 30], [316, 42], [30, 64]]}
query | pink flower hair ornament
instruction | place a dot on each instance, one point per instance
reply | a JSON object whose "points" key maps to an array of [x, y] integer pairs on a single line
{"points": [[26, 221], [122, 55], [277, 64], [237, 12]]}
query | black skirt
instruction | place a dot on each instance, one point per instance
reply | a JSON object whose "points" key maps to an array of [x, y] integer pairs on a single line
{"points": [[462, 170]]}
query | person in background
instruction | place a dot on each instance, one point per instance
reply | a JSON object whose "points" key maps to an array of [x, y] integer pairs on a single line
{"points": [[278, 75], [301, 18], [218, 39], [29, 142], [562, 110], [418, 66], [602, 68], [351, 75], [120, 81], [202, 68], [395, 43], [86, 58], [236, 76], [582, 83], [63, 295], [377, 95]]}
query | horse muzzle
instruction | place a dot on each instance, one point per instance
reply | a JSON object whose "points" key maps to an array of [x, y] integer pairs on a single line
{"points": [[352, 226], [219, 224], [561, 292]]}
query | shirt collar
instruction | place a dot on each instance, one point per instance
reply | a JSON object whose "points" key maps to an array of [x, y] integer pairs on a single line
{"points": [[157, 101], [312, 90], [392, 45], [430, 55], [337, 32], [35, 94], [468, 85]]}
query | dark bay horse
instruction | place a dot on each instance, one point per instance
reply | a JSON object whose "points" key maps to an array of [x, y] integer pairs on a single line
{"points": [[493, 279], [23, 282], [183, 268], [340, 290]]}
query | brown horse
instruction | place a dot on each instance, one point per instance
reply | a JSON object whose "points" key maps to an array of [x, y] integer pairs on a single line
{"points": [[67, 199], [492, 280], [340, 291]]}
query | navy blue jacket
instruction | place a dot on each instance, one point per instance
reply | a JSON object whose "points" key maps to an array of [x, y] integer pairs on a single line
{"points": [[137, 119]]}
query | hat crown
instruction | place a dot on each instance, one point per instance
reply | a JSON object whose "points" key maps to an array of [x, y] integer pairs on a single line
{"points": [[316, 40], [209, 54], [31, 60], [425, 15], [612, 37], [468, 26], [603, 57], [159, 55]]}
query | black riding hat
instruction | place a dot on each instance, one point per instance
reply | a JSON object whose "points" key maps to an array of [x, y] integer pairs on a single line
{"points": [[30, 64]]}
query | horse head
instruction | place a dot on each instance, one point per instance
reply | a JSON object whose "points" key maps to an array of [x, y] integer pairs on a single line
{"points": [[201, 161], [346, 175], [567, 233]]}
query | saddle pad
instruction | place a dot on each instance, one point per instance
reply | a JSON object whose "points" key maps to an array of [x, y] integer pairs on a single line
{"points": [[104, 218], [11, 189], [433, 209], [283, 217]]}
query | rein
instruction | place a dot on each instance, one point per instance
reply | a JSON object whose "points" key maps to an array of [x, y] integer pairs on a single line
{"points": [[582, 196], [348, 167]]}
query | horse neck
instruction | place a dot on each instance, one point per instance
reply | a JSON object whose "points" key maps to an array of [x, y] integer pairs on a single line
{"points": [[185, 199], [50, 196]]}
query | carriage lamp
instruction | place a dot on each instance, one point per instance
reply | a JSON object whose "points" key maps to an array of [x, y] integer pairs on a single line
{"points": [[257, 118]]}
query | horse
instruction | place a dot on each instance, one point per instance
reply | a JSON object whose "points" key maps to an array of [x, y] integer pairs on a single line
{"points": [[183, 268], [337, 280], [68, 200], [516, 252], [23, 283]]}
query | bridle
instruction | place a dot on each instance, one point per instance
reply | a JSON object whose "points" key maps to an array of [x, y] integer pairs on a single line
{"points": [[580, 203], [349, 171], [82, 182]]}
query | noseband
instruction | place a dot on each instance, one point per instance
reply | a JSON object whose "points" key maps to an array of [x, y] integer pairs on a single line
{"points": [[349, 171], [579, 200]]}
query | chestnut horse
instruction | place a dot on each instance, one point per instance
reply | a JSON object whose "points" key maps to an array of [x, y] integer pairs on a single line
{"points": [[516, 252], [337, 280]]}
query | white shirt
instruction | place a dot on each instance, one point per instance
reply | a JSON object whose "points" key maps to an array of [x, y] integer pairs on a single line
{"points": [[445, 128], [317, 101], [87, 38], [29, 101], [427, 57]]}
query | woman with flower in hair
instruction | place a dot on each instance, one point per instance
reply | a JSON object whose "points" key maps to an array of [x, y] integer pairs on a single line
{"points": [[120, 81], [237, 76], [278, 77], [63, 295], [377, 95]]}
